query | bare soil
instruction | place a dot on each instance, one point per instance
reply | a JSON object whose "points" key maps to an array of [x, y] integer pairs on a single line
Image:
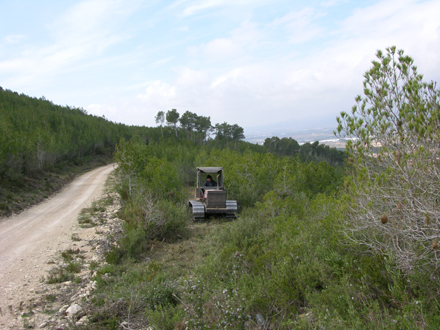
{"points": [[30, 244]]}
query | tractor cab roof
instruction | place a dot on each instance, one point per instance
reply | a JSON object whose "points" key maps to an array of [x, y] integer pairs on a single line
{"points": [[210, 169]]}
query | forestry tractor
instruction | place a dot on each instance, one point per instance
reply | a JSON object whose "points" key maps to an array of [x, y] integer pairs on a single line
{"points": [[211, 200]]}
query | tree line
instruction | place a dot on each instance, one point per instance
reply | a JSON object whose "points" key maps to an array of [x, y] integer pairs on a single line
{"points": [[198, 128], [307, 152]]}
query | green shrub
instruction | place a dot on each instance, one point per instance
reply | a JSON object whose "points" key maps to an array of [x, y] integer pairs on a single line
{"points": [[166, 318], [146, 219], [74, 267], [59, 275]]}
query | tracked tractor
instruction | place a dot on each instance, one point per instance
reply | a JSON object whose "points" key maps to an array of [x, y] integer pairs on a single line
{"points": [[211, 200]]}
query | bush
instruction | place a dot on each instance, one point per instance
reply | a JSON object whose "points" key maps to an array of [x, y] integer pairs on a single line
{"points": [[166, 318], [147, 219]]}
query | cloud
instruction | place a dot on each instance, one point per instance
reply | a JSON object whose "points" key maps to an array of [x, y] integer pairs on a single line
{"points": [[255, 90], [218, 49], [201, 5], [333, 3], [232, 75], [182, 28], [13, 39], [278, 63], [408, 24], [162, 61], [238, 47], [194, 7], [92, 25], [301, 25], [158, 90], [243, 95], [84, 31]]}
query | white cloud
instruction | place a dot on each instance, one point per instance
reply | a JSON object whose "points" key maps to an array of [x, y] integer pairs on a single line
{"points": [[300, 25], [189, 77], [92, 25], [158, 89], [162, 61], [238, 47], [13, 39], [84, 31], [332, 3], [323, 82], [219, 49], [199, 5], [242, 95], [232, 75], [408, 24], [262, 71], [182, 28]]}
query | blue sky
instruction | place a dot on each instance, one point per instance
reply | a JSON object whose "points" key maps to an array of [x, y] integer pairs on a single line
{"points": [[252, 62]]}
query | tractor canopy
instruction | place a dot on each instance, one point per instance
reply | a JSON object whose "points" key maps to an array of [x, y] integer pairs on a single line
{"points": [[210, 170]]}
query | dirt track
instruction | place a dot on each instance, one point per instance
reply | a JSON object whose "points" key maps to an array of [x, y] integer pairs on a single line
{"points": [[29, 240]]}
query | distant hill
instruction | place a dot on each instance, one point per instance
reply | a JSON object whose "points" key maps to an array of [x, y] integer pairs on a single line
{"points": [[303, 130], [301, 135]]}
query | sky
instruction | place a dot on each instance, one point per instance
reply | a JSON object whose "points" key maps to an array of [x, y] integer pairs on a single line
{"points": [[255, 63]]}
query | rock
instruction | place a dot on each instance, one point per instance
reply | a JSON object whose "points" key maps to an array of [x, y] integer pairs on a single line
{"points": [[73, 309], [307, 316], [43, 325], [63, 309], [82, 321], [260, 319]]}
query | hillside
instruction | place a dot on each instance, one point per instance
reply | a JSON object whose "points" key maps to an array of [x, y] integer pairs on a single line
{"points": [[43, 146]]}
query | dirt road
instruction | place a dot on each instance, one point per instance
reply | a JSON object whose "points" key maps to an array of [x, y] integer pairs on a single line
{"points": [[29, 240]]}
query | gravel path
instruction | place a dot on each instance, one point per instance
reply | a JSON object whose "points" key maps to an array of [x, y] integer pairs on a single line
{"points": [[30, 240]]}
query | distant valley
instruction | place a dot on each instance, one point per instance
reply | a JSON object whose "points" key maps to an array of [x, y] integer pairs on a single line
{"points": [[323, 134]]}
